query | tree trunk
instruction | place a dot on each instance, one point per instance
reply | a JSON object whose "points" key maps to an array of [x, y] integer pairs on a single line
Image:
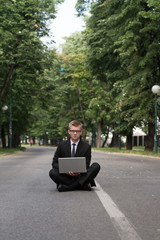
{"points": [[34, 140], [3, 137], [16, 140], [106, 137], [6, 82], [83, 115], [149, 140], [53, 142], [81, 106], [105, 140], [72, 108], [114, 142], [129, 142], [99, 133], [93, 135], [45, 139]]}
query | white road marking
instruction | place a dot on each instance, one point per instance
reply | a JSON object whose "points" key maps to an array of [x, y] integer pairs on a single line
{"points": [[124, 228]]}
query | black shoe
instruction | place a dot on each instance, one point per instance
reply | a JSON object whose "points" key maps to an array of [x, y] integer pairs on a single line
{"points": [[85, 187], [63, 188], [71, 187]]}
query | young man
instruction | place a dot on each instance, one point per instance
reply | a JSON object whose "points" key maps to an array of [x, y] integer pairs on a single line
{"points": [[74, 181]]}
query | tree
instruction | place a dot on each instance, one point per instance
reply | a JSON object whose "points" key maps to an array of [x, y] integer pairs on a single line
{"points": [[103, 62], [123, 40], [67, 96], [138, 50], [22, 54]]}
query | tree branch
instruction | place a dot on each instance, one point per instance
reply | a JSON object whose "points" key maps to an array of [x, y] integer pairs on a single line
{"points": [[6, 82]]}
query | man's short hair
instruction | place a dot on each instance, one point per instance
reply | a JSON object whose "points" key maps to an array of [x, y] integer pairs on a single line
{"points": [[75, 123]]}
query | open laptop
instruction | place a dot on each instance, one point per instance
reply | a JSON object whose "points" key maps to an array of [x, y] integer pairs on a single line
{"points": [[72, 164]]}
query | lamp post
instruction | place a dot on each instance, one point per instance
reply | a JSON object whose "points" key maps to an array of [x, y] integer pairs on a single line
{"points": [[46, 138], [119, 142], [93, 133], [155, 90], [10, 115], [119, 136], [4, 108]]}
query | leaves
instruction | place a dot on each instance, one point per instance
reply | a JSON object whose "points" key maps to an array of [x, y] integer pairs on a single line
{"points": [[22, 25]]}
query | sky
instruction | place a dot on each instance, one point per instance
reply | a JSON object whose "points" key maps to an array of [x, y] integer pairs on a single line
{"points": [[66, 22]]}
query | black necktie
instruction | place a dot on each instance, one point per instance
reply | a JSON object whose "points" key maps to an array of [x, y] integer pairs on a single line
{"points": [[73, 150]]}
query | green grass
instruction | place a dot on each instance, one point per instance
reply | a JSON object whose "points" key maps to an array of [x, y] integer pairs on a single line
{"points": [[136, 150], [11, 150]]}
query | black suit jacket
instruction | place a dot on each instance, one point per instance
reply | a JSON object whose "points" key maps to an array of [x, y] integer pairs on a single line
{"points": [[64, 150]]}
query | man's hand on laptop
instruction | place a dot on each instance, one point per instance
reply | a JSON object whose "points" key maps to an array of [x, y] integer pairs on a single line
{"points": [[73, 174]]}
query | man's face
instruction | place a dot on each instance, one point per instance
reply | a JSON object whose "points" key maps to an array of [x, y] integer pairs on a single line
{"points": [[75, 133]]}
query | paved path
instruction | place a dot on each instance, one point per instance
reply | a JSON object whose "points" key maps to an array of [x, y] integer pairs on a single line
{"points": [[125, 205]]}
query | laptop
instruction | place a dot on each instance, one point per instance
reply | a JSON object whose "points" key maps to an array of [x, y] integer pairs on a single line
{"points": [[72, 164]]}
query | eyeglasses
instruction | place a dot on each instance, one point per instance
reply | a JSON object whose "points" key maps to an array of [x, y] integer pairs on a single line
{"points": [[76, 131]]}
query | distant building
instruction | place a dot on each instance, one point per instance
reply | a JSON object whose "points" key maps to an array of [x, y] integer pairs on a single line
{"points": [[138, 138]]}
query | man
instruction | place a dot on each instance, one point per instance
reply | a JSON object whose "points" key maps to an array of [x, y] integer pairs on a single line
{"points": [[74, 181]]}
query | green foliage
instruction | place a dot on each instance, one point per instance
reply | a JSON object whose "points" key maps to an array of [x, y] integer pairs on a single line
{"points": [[154, 10], [123, 41], [63, 97], [22, 55], [82, 6], [110, 67], [139, 45]]}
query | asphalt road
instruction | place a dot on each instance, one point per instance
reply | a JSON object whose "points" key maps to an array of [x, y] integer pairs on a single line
{"points": [[125, 205]]}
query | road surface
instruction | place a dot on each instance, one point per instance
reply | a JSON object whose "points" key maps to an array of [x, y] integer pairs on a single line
{"points": [[125, 205]]}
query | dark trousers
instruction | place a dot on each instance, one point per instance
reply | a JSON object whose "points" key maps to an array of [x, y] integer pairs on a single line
{"points": [[83, 178]]}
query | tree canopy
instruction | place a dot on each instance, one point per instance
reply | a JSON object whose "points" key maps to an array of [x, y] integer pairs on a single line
{"points": [[110, 69], [124, 40], [22, 53]]}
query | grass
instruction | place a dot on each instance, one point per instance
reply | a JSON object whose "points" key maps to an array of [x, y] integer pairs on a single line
{"points": [[135, 150], [11, 150]]}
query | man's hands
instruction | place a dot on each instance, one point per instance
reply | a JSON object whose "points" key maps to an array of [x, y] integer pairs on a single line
{"points": [[73, 174]]}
